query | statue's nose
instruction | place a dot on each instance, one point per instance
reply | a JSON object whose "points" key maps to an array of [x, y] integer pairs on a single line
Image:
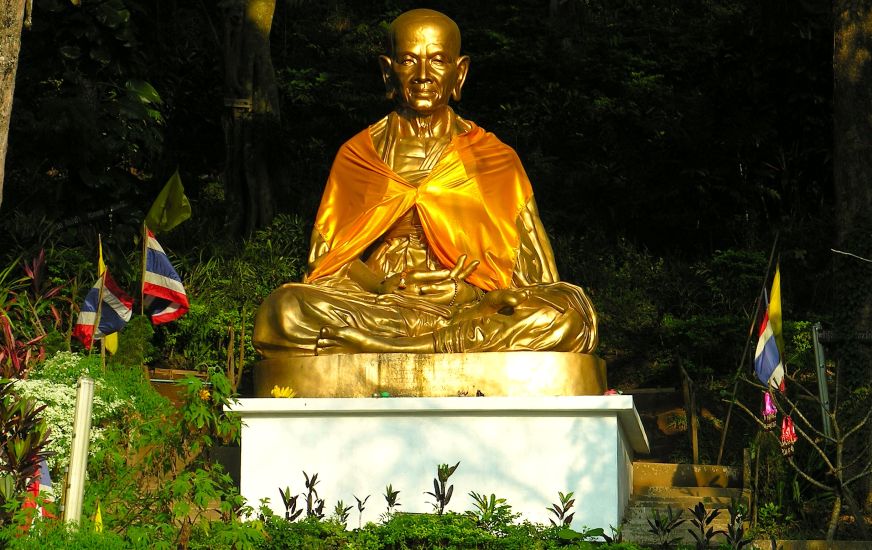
{"points": [[422, 74]]}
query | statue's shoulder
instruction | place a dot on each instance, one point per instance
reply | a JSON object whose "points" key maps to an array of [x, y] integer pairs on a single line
{"points": [[482, 141]]}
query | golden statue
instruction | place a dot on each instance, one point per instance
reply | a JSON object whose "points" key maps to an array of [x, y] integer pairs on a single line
{"points": [[427, 239]]}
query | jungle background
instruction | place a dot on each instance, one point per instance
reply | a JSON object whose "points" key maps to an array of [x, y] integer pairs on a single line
{"points": [[669, 145]]}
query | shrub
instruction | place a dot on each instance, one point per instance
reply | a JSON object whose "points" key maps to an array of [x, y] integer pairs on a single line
{"points": [[53, 385], [23, 439]]}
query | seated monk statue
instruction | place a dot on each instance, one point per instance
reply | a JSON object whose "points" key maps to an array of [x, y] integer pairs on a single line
{"points": [[427, 239]]}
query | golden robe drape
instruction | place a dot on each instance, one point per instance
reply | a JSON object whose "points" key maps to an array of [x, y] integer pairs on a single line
{"points": [[468, 204]]}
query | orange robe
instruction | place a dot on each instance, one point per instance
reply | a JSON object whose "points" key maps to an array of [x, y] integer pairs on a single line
{"points": [[468, 204]]}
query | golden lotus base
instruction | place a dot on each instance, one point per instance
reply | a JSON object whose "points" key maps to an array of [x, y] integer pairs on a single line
{"points": [[519, 373]]}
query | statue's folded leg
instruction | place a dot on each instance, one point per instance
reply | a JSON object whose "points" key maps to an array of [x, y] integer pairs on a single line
{"points": [[556, 317], [291, 318]]}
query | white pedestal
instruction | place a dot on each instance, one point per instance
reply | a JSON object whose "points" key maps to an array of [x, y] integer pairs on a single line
{"points": [[523, 449]]}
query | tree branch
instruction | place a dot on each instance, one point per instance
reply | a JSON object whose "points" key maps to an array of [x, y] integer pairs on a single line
{"points": [[802, 433], [863, 473], [810, 479], [859, 425], [794, 409], [816, 448]]}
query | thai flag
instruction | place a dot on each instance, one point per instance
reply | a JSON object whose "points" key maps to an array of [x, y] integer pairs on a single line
{"points": [[116, 310], [40, 485], [162, 287], [767, 359]]}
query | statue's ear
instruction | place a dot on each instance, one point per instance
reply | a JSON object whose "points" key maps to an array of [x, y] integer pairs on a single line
{"points": [[462, 69], [386, 64]]}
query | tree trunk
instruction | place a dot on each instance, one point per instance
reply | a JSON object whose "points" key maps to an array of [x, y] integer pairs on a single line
{"points": [[11, 20], [852, 175], [834, 517], [251, 119]]}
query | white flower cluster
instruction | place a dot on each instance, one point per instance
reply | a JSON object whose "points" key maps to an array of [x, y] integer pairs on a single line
{"points": [[63, 366], [60, 401]]}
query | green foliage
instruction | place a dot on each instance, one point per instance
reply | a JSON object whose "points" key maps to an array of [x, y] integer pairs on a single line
{"points": [[441, 490], [391, 498], [119, 392], [701, 519], [491, 513], [772, 521], [735, 536], [428, 530], [154, 479], [24, 435], [315, 505], [225, 291], [90, 107], [308, 533], [135, 348], [57, 535], [562, 509], [663, 527], [340, 513], [361, 506], [290, 503]]}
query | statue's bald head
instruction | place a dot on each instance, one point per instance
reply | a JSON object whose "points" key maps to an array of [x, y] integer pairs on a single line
{"points": [[424, 67], [417, 25]]}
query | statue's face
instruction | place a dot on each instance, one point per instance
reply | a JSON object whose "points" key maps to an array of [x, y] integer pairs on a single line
{"points": [[425, 68]]}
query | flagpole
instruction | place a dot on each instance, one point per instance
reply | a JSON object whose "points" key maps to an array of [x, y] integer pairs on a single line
{"points": [[142, 287], [745, 352], [102, 279], [103, 353], [144, 257]]}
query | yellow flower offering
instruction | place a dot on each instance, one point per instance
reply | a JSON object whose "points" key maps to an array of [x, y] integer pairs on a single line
{"points": [[283, 392]]}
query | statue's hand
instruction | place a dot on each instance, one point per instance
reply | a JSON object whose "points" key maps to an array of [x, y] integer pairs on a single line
{"points": [[504, 300], [440, 286]]}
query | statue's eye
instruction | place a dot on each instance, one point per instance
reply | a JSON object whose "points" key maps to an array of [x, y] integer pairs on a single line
{"points": [[407, 61]]}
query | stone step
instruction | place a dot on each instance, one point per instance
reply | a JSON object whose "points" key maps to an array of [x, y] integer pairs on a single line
{"points": [[679, 492], [642, 514], [682, 503], [655, 474], [648, 538], [640, 525]]}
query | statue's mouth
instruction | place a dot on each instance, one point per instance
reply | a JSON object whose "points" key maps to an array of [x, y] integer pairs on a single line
{"points": [[423, 91]]}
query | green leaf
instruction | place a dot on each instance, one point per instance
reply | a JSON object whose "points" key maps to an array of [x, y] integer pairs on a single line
{"points": [[143, 90], [100, 55], [568, 534], [71, 52]]}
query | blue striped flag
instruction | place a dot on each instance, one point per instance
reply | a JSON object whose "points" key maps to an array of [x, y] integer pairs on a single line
{"points": [[115, 311], [767, 359], [162, 288]]}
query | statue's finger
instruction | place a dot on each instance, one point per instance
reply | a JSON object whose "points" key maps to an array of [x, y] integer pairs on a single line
{"points": [[467, 271], [458, 267], [430, 276]]}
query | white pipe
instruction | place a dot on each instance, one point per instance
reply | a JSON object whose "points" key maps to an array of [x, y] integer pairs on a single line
{"points": [[79, 450]]}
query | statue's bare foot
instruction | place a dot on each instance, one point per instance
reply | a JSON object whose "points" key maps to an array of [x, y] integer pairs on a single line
{"points": [[352, 340], [341, 340]]}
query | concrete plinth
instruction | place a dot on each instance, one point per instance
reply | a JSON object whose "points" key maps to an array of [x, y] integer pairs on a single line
{"points": [[523, 449]]}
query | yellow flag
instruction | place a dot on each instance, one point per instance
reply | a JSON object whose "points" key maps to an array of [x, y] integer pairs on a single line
{"points": [[110, 341], [170, 208], [775, 311], [98, 520]]}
